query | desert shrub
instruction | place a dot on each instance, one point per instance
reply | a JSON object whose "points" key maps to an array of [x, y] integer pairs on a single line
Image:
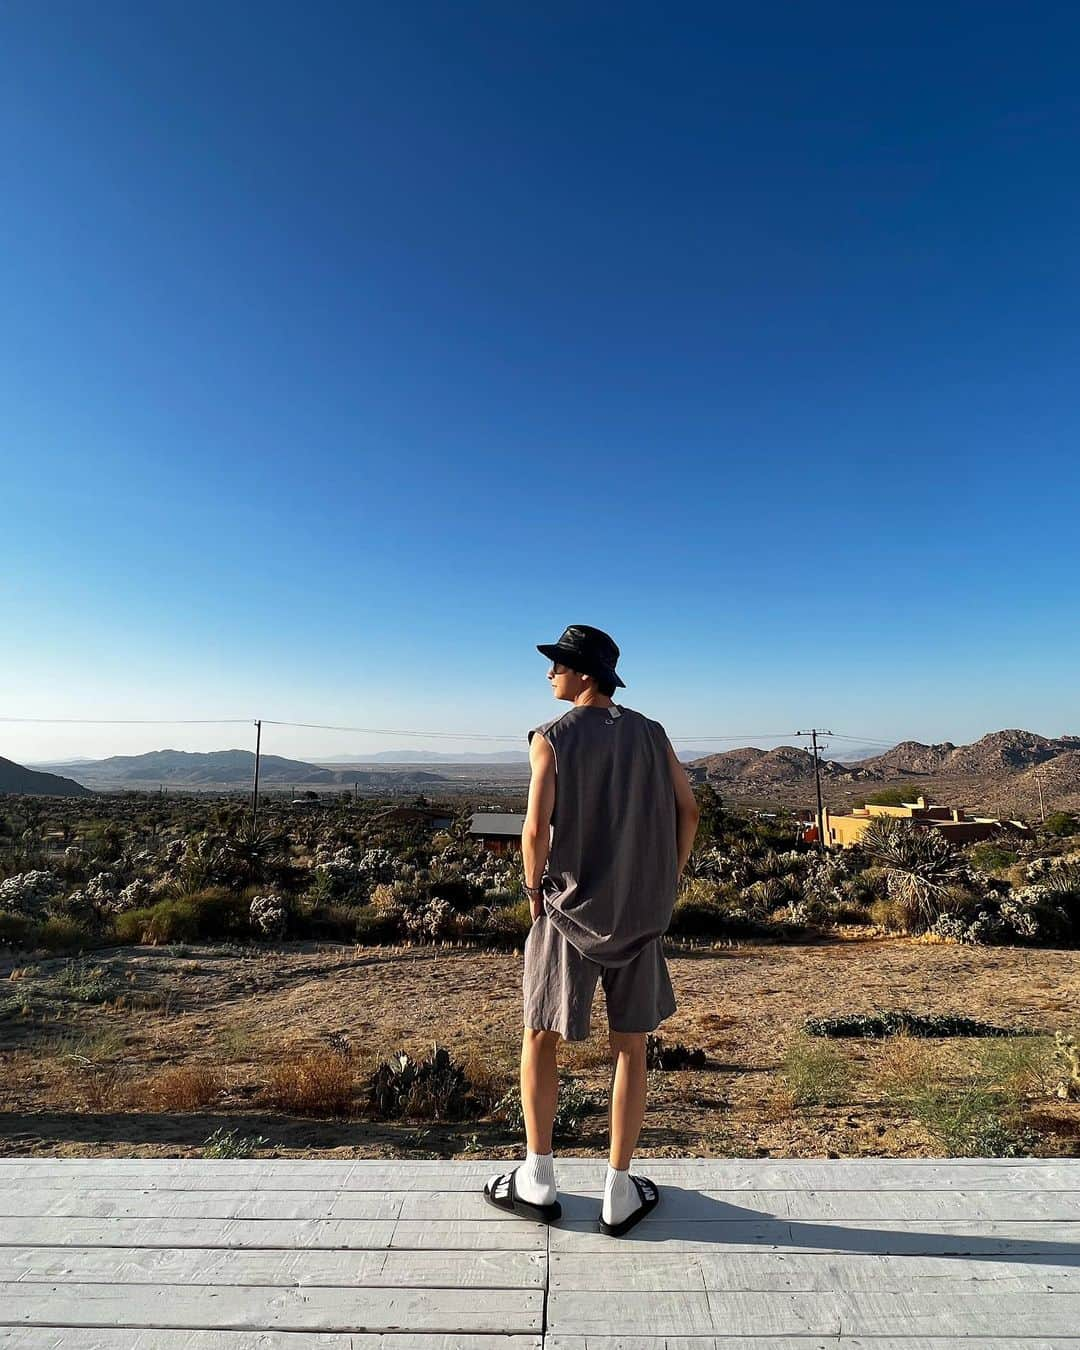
{"points": [[810, 912], [372, 926], [661, 1055], [704, 909], [1062, 824], [866, 886], [509, 925], [825, 877], [86, 982], [921, 864], [899, 1021], [29, 893], [320, 1082], [430, 921], [989, 856], [329, 922], [213, 913], [767, 893], [572, 1105], [1067, 1055], [771, 864], [268, 917], [17, 931], [228, 1144], [454, 890], [182, 1087], [815, 1074], [1022, 1064], [501, 897], [435, 1088], [1040, 913], [969, 1123], [61, 933]]}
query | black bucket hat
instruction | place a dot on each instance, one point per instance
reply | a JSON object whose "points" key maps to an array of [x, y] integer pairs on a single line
{"points": [[585, 649]]}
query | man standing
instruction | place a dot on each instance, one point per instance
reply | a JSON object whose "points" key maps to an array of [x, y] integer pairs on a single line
{"points": [[610, 823]]}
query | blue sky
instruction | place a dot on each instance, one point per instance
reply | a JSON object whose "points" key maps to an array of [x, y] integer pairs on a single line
{"points": [[348, 351]]}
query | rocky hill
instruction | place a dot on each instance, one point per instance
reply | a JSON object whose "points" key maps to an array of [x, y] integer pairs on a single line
{"points": [[759, 770], [15, 778], [998, 774]]}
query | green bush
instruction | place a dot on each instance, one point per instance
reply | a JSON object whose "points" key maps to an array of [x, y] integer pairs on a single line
{"points": [[1062, 824], [211, 913], [972, 1121], [572, 1105], [17, 931], [372, 927], [704, 909], [511, 923], [61, 933], [229, 1144], [989, 856]]}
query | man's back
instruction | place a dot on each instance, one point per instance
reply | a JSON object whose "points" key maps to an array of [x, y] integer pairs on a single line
{"points": [[612, 869]]}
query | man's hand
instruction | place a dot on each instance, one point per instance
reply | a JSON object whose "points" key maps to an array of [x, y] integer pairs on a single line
{"points": [[536, 907]]}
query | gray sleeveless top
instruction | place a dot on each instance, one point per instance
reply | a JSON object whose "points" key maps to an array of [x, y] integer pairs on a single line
{"points": [[612, 869]]}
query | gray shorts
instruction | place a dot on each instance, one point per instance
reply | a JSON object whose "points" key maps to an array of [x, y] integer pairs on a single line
{"points": [[559, 983]]}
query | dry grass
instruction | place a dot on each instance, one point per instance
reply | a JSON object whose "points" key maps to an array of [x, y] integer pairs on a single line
{"points": [[319, 1083], [182, 1087], [905, 1066], [487, 1073]]}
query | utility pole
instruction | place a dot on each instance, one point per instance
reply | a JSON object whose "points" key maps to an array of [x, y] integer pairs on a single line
{"points": [[255, 788], [1042, 804], [813, 734]]}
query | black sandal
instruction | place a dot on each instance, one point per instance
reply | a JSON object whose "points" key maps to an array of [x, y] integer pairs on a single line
{"points": [[650, 1198], [502, 1193]]}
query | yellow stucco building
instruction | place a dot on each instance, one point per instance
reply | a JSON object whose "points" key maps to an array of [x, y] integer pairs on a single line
{"points": [[841, 831]]}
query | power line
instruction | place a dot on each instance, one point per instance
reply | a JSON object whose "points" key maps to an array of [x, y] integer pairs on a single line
{"points": [[137, 721], [394, 731]]}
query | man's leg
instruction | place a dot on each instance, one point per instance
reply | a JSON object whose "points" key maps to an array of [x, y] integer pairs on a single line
{"points": [[626, 1105], [539, 1087], [534, 1179]]}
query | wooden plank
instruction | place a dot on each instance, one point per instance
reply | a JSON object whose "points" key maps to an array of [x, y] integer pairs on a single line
{"points": [[807, 1272], [804, 1343], [772, 1313], [136, 1203], [698, 1174], [676, 1204], [259, 1308], [121, 1338], [976, 1237], [310, 1234], [197, 1266]]}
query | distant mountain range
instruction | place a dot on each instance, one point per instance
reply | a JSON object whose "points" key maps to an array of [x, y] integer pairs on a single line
{"points": [[1002, 773], [15, 778]]}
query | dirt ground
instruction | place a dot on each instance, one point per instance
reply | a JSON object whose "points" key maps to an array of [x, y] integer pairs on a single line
{"points": [[243, 1011]]}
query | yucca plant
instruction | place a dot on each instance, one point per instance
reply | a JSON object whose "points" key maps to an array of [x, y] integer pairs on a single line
{"points": [[921, 864]]}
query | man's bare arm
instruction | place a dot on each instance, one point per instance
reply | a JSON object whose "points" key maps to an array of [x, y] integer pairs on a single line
{"points": [[536, 832], [686, 808]]}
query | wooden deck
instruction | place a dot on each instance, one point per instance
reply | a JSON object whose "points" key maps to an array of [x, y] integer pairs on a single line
{"points": [[741, 1254]]}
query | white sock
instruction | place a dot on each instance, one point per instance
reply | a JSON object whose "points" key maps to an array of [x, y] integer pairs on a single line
{"points": [[535, 1180], [620, 1196]]}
